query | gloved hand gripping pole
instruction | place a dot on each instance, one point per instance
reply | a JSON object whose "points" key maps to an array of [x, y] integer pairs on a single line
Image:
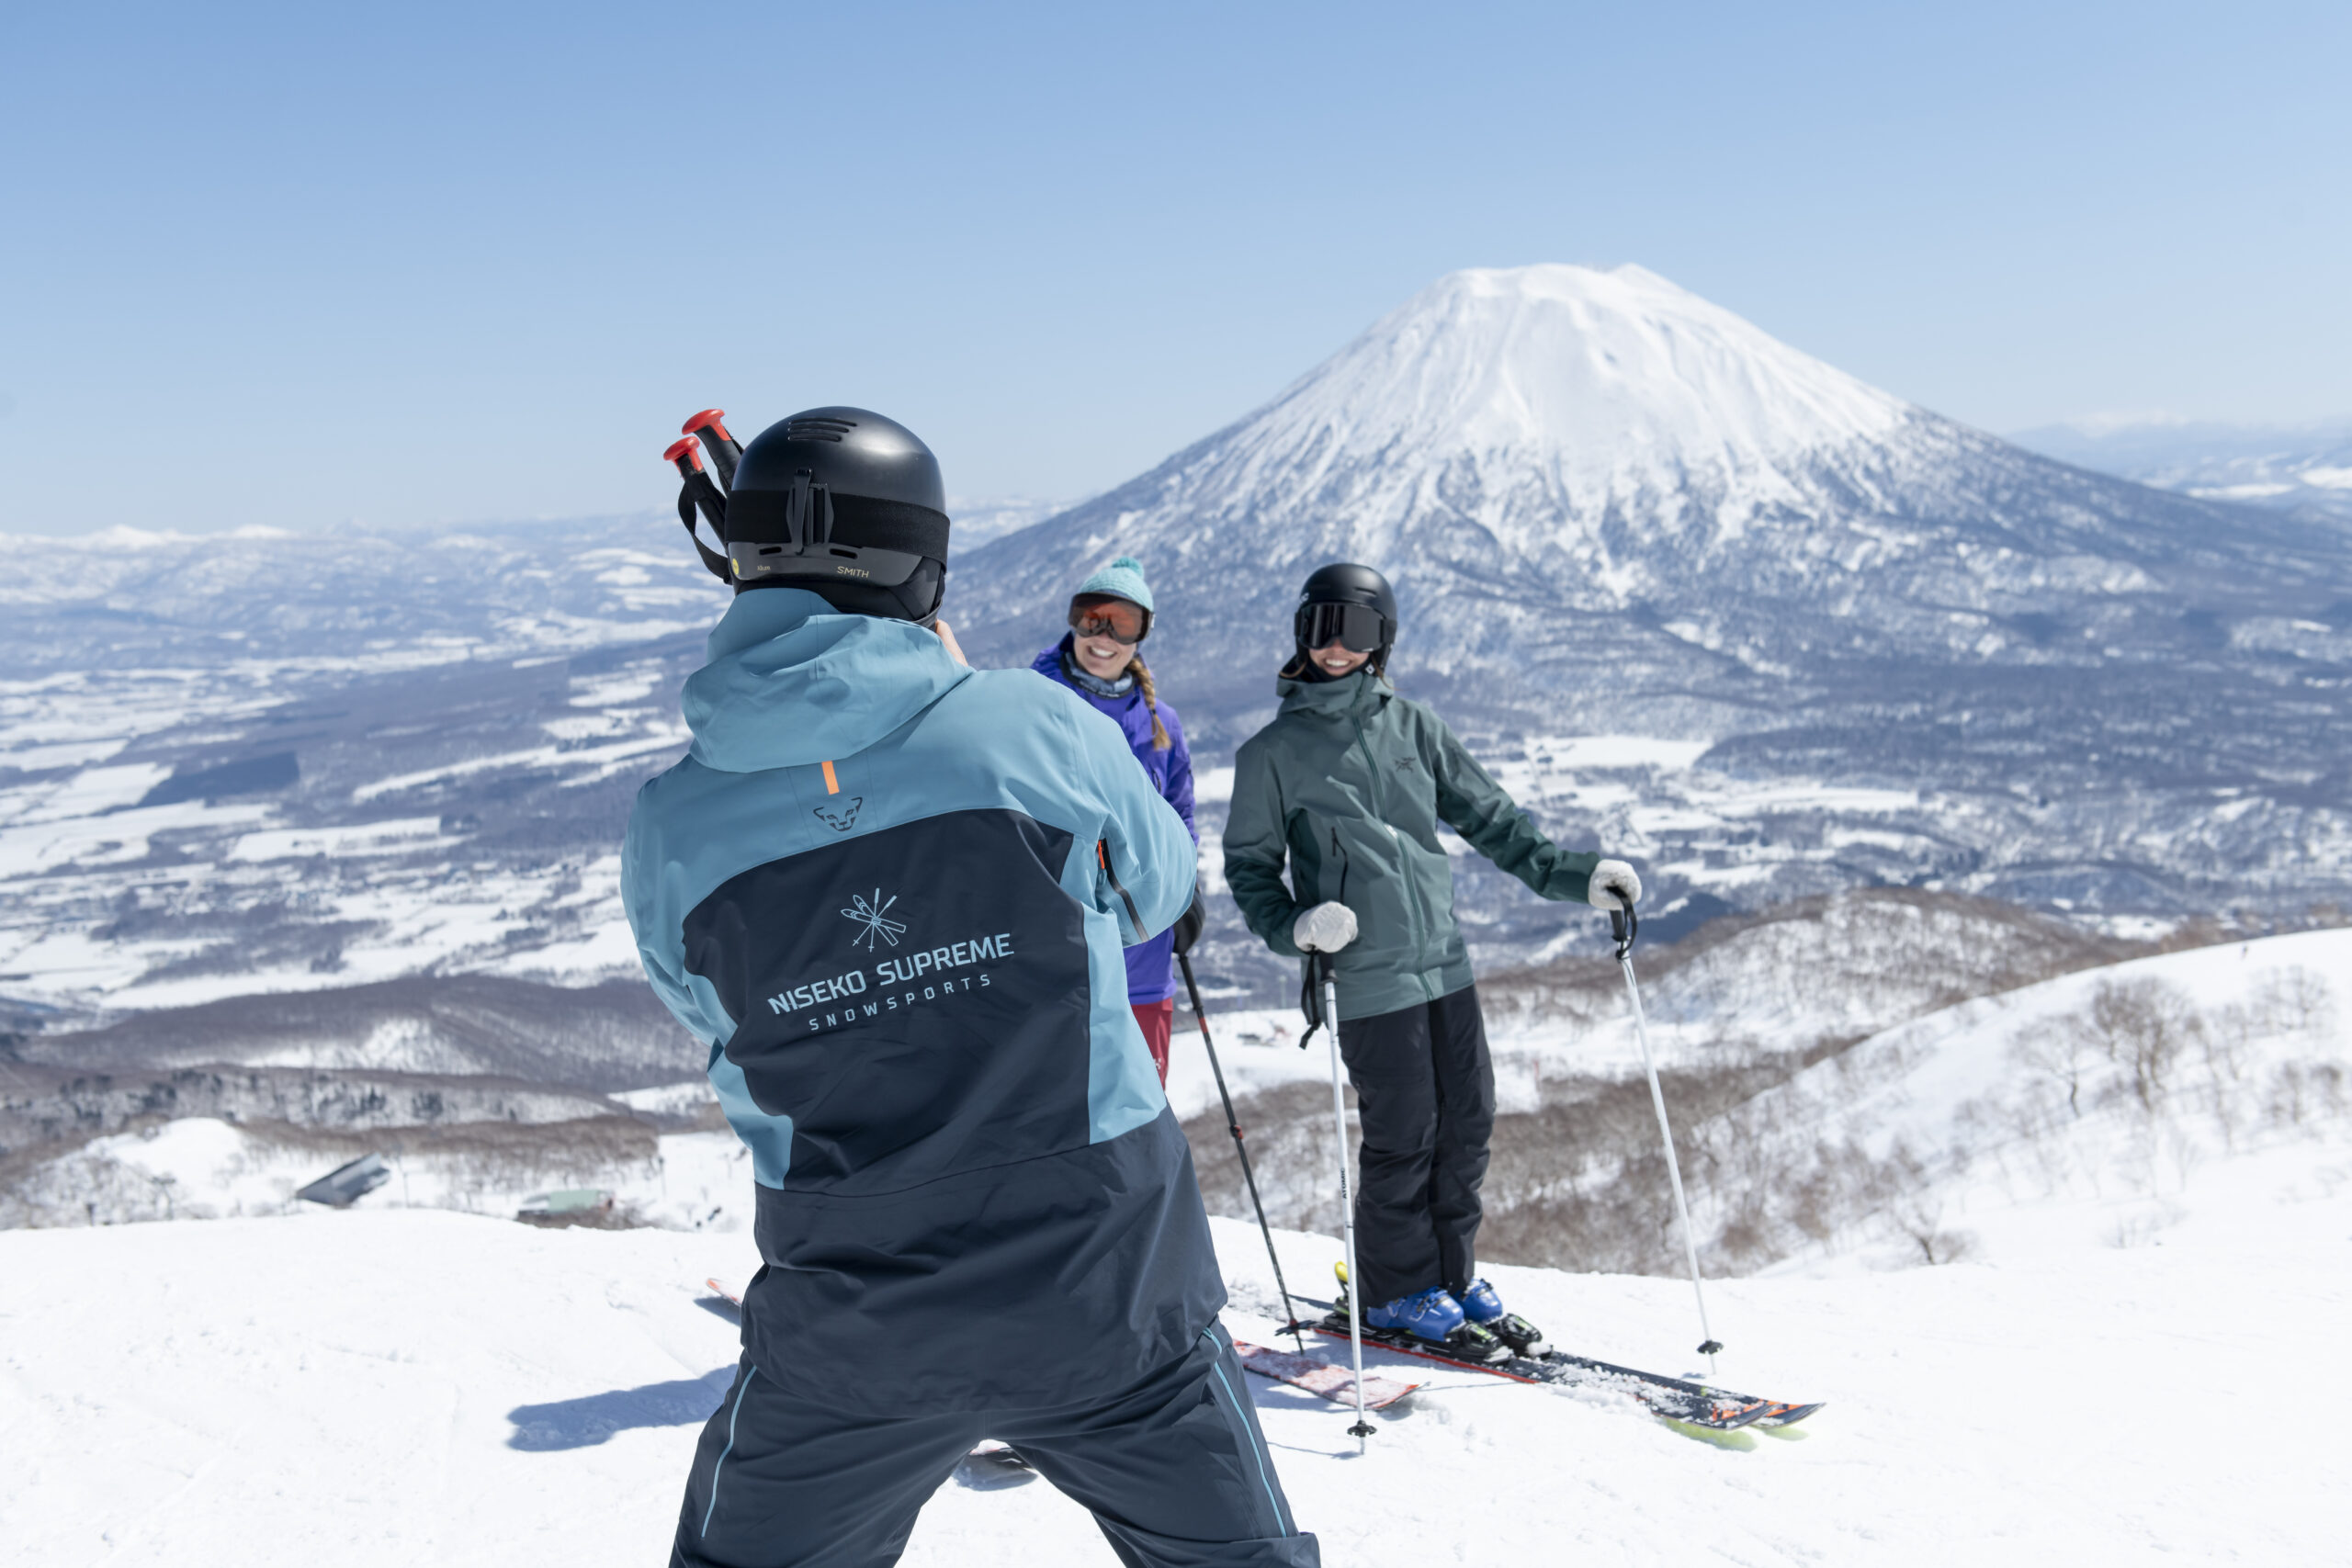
{"points": [[1363, 1428], [1622, 925]]}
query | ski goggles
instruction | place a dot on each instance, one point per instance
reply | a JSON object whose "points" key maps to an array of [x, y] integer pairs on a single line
{"points": [[1359, 628], [1103, 614]]}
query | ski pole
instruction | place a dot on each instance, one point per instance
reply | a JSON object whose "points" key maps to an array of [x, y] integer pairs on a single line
{"points": [[1622, 925], [1363, 1428], [699, 492], [1233, 1125], [686, 453], [724, 448]]}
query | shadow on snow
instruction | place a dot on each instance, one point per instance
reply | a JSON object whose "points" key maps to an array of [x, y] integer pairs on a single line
{"points": [[587, 1421]]}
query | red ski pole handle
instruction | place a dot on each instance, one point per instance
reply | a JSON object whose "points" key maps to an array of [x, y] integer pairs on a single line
{"points": [[699, 494], [724, 448]]}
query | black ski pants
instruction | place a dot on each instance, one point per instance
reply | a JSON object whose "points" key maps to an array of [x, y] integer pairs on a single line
{"points": [[1425, 1091], [1174, 1469]]}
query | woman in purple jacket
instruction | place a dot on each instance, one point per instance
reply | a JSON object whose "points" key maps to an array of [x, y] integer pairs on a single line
{"points": [[1101, 659]]}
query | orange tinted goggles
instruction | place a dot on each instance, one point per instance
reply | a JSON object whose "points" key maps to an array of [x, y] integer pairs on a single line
{"points": [[1102, 614]]}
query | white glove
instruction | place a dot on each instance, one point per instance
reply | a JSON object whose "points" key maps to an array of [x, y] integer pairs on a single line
{"points": [[1327, 927], [1609, 877]]}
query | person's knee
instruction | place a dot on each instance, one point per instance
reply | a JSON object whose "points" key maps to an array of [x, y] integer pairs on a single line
{"points": [[1399, 1142], [1397, 1119]]}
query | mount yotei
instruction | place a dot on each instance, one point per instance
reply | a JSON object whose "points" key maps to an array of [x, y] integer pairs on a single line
{"points": [[1829, 636]]}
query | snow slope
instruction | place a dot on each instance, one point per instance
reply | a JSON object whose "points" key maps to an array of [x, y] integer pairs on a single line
{"points": [[2125, 1365], [2087, 1111], [2094, 1109], [395, 1388]]}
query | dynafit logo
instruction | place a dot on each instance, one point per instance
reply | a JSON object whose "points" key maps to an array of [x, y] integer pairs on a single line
{"points": [[840, 818], [872, 917]]}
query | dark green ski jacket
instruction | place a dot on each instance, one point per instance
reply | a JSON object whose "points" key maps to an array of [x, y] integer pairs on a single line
{"points": [[1348, 784]]}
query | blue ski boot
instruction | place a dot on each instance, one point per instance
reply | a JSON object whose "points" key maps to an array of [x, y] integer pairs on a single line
{"points": [[1436, 1317], [1483, 1309], [1431, 1315]]}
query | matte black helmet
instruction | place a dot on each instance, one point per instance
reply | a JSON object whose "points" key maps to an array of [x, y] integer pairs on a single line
{"points": [[1352, 606], [847, 504]]}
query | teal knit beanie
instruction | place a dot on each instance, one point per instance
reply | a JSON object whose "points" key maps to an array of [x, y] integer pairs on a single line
{"points": [[1123, 577]]}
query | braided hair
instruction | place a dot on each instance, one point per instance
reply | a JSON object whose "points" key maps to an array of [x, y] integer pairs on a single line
{"points": [[1136, 667]]}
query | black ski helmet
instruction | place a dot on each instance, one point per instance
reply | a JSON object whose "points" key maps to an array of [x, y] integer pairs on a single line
{"points": [[846, 503], [1350, 605]]}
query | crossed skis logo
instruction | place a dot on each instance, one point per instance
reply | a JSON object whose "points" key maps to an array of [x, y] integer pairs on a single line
{"points": [[873, 917]]}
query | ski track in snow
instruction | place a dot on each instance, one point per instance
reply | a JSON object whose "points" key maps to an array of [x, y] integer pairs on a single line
{"points": [[398, 1387]]}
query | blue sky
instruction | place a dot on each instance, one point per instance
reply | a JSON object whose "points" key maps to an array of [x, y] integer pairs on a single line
{"points": [[403, 264]]}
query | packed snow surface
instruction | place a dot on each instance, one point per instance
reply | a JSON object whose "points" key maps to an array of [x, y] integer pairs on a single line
{"points": [[398, 1387]]}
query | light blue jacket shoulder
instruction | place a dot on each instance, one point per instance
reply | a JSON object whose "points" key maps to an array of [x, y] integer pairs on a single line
{"points": [[813, 729]]}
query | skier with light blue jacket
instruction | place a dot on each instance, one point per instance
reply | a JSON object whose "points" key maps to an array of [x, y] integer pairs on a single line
{"points": [[888, 894]]}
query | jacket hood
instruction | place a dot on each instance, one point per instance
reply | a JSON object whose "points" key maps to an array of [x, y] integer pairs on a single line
{"points": [[1357, 694], [793, 682]]}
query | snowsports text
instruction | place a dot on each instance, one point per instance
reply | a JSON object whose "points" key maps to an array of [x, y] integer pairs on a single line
{"points": [[899, 971]]}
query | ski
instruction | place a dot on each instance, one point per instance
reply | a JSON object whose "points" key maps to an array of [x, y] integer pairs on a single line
{"points": [[1673, 1399], [1787, 1415], [1319, 1376]]}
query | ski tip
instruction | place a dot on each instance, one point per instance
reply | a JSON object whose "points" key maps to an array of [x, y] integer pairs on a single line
{"points": [[1778, 1421]]}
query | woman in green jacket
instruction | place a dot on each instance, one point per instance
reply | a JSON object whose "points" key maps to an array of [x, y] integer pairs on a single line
{"points": [[1347, 787]]}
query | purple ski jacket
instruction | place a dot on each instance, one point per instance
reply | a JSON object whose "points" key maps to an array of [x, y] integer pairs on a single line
{"points": [[1151, 966]]}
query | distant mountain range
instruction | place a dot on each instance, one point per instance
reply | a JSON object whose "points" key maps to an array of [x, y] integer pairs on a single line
{"points": [[2305, 467]]}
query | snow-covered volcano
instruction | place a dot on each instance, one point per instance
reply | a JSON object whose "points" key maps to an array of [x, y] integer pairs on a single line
{"points": [[1611, 507], [1514, 445], [1532, 405]]}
